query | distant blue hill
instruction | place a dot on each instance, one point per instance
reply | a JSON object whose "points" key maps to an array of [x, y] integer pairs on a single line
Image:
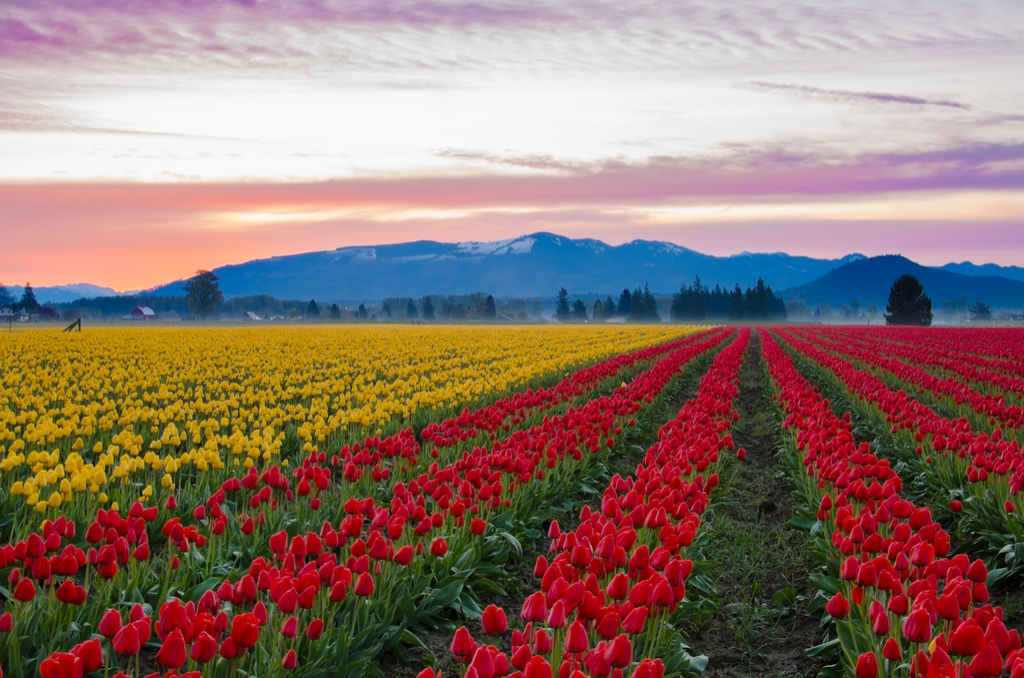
{"points": [[967, 268], [534, 265], [57, 294], [869, 281]]}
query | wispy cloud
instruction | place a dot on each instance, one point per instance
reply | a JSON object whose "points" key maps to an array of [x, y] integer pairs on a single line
{"points": [[778, 174], [848, 96], [536, 162]]}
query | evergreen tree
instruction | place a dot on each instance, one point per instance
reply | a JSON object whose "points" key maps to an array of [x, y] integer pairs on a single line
{"points": [[362, 313], [609, 307], [579, 310], [562, 308], [625, 301], [335, 312], [650, 305], [28, 300], [908, 304], [700, 310], [489, 310], [312, 310], [410, 310], [737, 304], [757, 302], [598, 310], [386, 309], [636, 305], [6, 298], [428, 308]]}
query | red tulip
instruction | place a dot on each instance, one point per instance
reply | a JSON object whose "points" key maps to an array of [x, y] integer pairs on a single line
{"points": [[648, 668], [948, 608], [403, 556], [837, 606], [619, 652], [110, 624], [245, 630], [867, 666], [204, 647], [576, 641], [229, 649], [290, 660], [880, 624], [61, 665], [634, 621], [542, 642], [608, 625], [463, 646], [126, 642], [6, 622], [494, 620], [521, 656], [290, 628], [482, 664], [892, 651], [968, 639], [917, 627], [315, 629], [25, 591], [988, 663], [338, 592], [364, 585], [137, 613], [557, 616], [537, 667], [172, 653], [279, 542], [977, 572], [91, 654], [438, 547], [535, 608]]}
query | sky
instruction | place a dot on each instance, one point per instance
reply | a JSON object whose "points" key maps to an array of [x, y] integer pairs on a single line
{"points": [[141, 141]]}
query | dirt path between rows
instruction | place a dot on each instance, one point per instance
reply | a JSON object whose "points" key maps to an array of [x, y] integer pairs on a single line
{"points": [[761, 627]]}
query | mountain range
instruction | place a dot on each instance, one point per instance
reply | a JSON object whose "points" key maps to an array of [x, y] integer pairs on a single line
{"points": [[537, 265], [58, 294]]}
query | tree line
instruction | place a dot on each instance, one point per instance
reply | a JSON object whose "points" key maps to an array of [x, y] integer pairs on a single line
{"points": [[698, 302], [637, 305]]}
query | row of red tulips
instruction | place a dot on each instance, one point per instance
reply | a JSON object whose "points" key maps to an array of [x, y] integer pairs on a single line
{"points": [[608, 594], [979, 475], [900, 606], [994, 407], [515, 408], [376, 462], [998, 348], [920, 347]]}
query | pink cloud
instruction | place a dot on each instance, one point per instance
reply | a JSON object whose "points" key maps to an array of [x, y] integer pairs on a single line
{"points": [[775, 174]]}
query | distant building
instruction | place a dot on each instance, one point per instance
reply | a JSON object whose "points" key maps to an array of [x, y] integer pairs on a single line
{"points": [[140, 313], [249, 316]]}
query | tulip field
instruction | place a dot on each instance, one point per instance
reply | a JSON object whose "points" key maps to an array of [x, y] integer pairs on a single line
{"points": [[480, 502]]}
